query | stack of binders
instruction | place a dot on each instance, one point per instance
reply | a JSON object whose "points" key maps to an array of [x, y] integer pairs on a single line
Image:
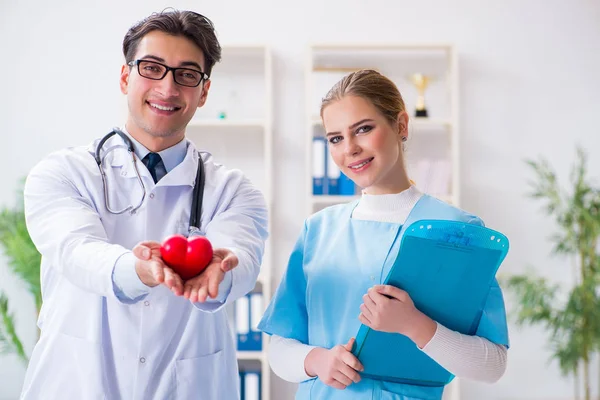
{"points": [[250, 385], [248, 311], [327, 177]]}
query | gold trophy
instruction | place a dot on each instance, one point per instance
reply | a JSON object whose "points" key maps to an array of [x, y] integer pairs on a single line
{"points": [[420, 81]]}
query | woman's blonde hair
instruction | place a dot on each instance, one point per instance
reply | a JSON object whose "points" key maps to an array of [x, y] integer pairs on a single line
{"points": [[371, 86]]}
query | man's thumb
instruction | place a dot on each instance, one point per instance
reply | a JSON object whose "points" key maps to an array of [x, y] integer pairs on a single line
{"points": [[142, 252]]}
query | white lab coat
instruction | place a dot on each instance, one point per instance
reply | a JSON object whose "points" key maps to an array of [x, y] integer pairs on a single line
{"points": [[92, 345]]}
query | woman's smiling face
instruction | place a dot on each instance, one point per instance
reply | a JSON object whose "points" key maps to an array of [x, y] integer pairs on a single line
{"points": [[365, 145]]}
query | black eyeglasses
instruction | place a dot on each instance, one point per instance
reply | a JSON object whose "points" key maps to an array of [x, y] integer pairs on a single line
{"points": [[157, 71]]}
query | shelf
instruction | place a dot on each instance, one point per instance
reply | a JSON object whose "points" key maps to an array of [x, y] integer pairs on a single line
{"points": [[228, 123], [340, 58], [263, 277], [250, 60], [251, 355], [429, 124]]}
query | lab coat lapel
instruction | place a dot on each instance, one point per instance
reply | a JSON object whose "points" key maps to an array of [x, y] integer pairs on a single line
{"points": [[184, 173], [114, 154]]}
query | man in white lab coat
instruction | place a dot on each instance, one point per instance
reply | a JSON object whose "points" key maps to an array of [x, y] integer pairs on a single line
{"points": [[116, 322]]}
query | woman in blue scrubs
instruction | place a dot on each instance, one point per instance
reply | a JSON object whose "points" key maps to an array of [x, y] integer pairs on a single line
{"points": [[332, 282]]}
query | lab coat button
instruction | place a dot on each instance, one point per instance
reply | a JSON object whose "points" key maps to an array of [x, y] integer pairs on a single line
{"points": [[146, 303], [123, 173], [372, 277], [151, 195], [142, 360]]}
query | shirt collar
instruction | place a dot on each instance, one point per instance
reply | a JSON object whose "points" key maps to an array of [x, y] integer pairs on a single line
{"points": [[171, 157]]}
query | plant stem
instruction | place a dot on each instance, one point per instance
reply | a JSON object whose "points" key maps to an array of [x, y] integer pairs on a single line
{"points": [[577, 384], [9, 327], [586, 378]]}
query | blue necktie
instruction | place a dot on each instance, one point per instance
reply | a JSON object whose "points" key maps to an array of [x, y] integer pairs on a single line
{"points": [[151, 161]]}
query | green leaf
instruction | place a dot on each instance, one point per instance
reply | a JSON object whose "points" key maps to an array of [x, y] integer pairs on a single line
{"points": [[535, 299], [9, 341], [24, 261], [573, 326], [23, 258]]}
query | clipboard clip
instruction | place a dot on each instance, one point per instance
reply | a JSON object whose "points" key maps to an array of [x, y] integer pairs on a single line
{"points": [[457, 239]]}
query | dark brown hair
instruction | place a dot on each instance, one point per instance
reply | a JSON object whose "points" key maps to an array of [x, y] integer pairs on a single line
{"points": [[371, 86], [188, 24]]}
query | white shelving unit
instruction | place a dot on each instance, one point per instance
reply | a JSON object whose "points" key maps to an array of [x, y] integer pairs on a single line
{"points": [[433, 140], [235, 126]]}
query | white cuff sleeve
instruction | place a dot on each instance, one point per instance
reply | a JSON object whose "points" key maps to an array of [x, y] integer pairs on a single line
{"points": [[470, 357], [286, 357], [126, 283]]}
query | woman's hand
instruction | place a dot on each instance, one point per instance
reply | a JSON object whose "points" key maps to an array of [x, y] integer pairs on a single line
{"points": [[389, 309], [336, 367]]}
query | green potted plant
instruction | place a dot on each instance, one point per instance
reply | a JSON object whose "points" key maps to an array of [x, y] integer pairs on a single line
{"points": [[24, 262], [571, 315]]}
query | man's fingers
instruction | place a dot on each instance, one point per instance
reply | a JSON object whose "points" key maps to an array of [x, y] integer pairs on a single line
{"points": [[202, 293], [142, 252], [187, 290], [229, 262], [194, 294], [151, 244], [213, 287], [157, 272], [173, 282]]}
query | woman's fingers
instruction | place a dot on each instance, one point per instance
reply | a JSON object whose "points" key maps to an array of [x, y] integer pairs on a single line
{"points": [[342, 378], [350, 374]]}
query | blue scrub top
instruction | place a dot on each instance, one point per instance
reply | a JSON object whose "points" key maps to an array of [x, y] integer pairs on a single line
{"points": [[335, 261]]}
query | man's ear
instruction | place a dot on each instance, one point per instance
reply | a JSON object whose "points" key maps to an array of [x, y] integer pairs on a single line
{"points": [[124, 80], [204, 95]]}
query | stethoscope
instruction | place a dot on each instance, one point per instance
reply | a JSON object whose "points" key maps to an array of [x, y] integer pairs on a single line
{"points": [[196, 211]]}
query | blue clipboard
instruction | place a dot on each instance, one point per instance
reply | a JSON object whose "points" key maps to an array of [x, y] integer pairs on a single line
{"points": [[447, 268]]}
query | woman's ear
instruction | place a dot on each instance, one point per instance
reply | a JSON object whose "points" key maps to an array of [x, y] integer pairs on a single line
{"points": [[402, 123]]}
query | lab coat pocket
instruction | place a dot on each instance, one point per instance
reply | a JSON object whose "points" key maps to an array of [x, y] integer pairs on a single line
{"points": [[204, 378], [80, 375]]}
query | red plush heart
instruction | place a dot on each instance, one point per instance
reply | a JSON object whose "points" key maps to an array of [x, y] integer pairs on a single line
{"points": [[187, 257]]}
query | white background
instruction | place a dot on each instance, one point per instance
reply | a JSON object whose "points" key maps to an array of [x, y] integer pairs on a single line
{"points": [[529, 82]]}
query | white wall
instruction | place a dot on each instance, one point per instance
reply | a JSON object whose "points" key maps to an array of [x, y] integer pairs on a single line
{"points": [[529, 87]]}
